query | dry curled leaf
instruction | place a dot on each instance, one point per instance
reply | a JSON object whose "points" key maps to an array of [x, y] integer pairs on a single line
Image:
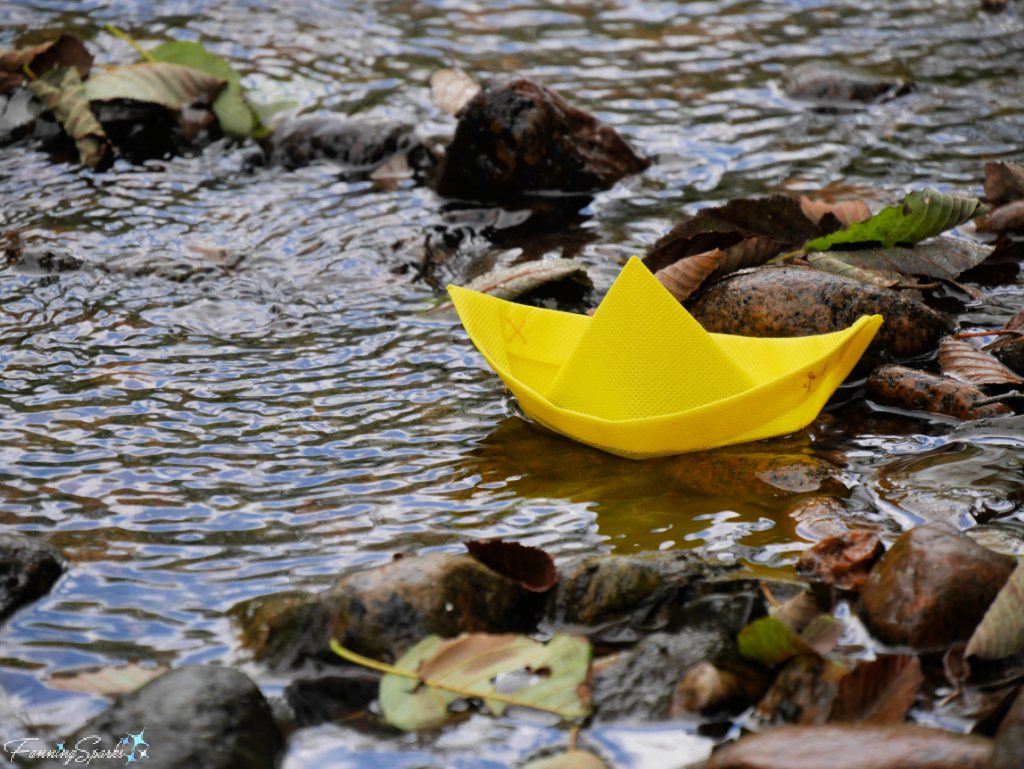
{"points": [[686, 276], [65, 51], [61, 91], [1001, 631], [531, 567], [169, 85], [1004, 182], [962, 360], [510, 282], [846, 212], [1006, 218], [881, 691]]}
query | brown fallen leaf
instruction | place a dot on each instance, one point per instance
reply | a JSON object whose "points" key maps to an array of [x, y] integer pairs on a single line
{"points": [[685, 276], [65, 51], [962, 360], [531, 567], [108, 680], [509, 282], [920, 391], [452, 89], [1001, 631], [881, 691], [846, 212], [1005, 218], [1004, 182]]}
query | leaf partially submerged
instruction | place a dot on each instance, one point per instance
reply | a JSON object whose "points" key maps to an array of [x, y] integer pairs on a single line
{"points": [[452, 89], [510, 282], [962, 360], [881, 691], [65, 51], [922, 215], [529, 566], [1001, 631], [169, 85], [416, 691], [61, 91], [108, 680], [230, 107], [771, 641]]}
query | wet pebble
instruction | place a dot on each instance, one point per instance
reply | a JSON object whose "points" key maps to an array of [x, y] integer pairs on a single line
{"points": [[932, 587], [381, 612], [827, 82]]}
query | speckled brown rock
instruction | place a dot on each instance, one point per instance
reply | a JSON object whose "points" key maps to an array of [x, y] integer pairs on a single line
{"points": [[826, 82], [906, 746], [843, 560], [932, 588], [517, 137], [920, 391], [792, 301], [382, 612]]}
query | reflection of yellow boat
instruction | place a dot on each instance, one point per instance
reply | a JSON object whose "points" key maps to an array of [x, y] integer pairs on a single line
{"points": [[643, 379]]}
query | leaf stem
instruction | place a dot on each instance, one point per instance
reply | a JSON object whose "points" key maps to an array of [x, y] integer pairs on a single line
{"points": [[366, 662], [124, 36]]}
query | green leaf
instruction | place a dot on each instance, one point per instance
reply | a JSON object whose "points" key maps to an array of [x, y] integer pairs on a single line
{"points": [[922, 215], [940, 257], [770, 641], [230, 106], [417, 690], [571, 759], [62, 92], [1001, 631], [170, 85]]}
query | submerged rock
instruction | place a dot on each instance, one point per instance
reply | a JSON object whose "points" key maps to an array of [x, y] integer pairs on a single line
{"points": [[517, 137], [906, 746], [195, 716], [28, 569], [381, 612], [791, 301], [932, 587], [826, 82]]}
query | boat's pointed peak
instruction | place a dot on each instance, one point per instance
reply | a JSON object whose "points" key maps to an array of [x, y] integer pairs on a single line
{"points": [[643, 354]]}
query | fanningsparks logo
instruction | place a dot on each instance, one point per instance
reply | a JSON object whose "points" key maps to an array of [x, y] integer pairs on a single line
{"points": [[131, 748]]}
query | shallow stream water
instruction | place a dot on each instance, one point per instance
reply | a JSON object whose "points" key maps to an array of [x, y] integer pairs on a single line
{"points": [[241, 392]]}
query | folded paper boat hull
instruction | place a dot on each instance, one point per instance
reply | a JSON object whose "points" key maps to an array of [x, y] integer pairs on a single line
{"points": [[643, 379]]}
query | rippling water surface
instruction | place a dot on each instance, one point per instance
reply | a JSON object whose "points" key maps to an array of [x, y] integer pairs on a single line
{"points": [[241, 392]]}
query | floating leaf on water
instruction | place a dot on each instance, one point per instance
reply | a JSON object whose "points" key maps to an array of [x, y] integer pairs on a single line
{"points": [[65, 51], [416, 691], [922, 215], [571, 759], [686, 276], [61, 91], [1004, 182], [881, 691], [108, 680], [510, 282], [452, 89], [1001, 631], [531, 567], [169, 85], [230, 106], [962, 360]]}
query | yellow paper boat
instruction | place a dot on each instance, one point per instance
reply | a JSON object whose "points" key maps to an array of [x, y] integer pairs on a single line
{"points": [[641, 378]]}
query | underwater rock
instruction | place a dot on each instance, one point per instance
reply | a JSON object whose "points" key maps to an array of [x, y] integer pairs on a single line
{"points": [[381, 612], [904, 746], [792, 301], [194, 716], [28, 569], [826, 82], [1010, 352], [921, 391], [932, 587], [517, 137]]}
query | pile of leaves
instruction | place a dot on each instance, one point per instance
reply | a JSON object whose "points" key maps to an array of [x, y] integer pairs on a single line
{"points": [[170, 78]]}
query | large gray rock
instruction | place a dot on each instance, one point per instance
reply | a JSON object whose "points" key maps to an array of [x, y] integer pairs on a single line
{"points": [[28, 569]]}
